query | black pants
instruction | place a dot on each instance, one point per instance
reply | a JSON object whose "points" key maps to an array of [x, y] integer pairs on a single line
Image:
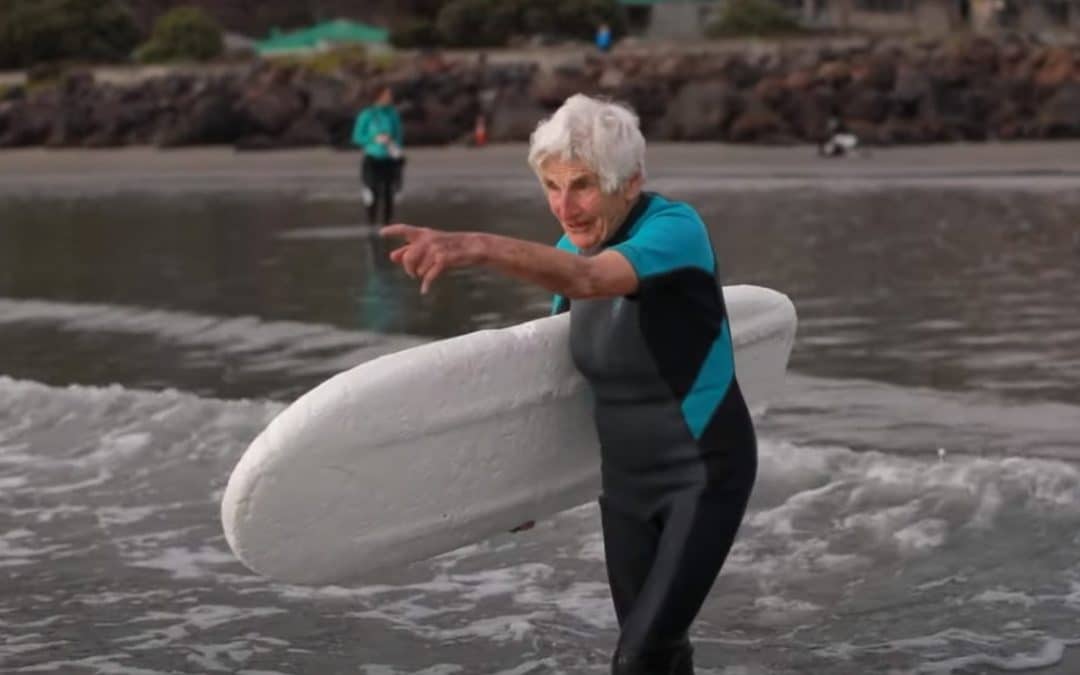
{"points": [[383, 177], [662, 559]]}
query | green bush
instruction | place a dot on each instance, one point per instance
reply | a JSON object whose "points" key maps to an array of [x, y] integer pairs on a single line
{"points": [[752, 18], [463, 23], [414, 33], [35, 31], [183, 34], [490, 23]]}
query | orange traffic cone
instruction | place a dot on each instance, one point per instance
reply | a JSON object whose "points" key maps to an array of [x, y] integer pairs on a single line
{"points": [[480, 131]]}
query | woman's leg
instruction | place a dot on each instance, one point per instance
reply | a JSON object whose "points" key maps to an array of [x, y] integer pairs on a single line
{"points": [[367, 179], [629, 548], [383, 172], [697, 533], [388, 192]]}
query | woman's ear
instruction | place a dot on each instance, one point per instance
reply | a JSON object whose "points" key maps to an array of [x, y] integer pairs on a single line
{"points": [[633, 187]]}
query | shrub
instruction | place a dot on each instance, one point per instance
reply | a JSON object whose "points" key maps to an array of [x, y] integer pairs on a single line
{"points": [[35, 31], [463, 23], [330, 62], [183, 34], [752, 18], [414, 33]]}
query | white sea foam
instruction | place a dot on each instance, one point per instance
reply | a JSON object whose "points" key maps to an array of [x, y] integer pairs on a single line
{"points": [[1051, 652]]}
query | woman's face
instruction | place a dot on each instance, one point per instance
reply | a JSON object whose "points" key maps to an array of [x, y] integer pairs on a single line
{"points": [[385, 97], [588, 215]]}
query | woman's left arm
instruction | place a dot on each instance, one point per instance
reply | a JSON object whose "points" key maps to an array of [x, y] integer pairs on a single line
{"points": [[427, 253]]}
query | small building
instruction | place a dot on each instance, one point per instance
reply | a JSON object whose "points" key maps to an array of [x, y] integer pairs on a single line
{"points": [[324, 36]]}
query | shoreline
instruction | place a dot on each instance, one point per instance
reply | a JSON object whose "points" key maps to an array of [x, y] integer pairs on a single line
{"points": [[124, 168]]}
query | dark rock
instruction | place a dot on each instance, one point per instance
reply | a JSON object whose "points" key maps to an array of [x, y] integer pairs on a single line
{"points": [[868, 105], [551, 88], [836, 73], [70, 124], [700, 111], [911, 92], [304, 132], [271, 109], [514, 118], [1059, 67], [211, 118], [808, 112], [1060, 116], [759, 123], [28, 123], [876, 73]]}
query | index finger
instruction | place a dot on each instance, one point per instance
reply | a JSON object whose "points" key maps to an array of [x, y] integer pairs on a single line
{"points": [[399, 230]]}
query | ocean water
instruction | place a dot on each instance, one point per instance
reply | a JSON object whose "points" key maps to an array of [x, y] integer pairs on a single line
{"points": [[918, 501]]}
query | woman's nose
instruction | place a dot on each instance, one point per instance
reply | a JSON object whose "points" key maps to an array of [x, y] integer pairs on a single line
{"points": [[564, 204]]}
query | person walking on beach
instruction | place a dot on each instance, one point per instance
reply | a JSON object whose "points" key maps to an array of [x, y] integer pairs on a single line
{"points": [[649, 331], [379, 132]]}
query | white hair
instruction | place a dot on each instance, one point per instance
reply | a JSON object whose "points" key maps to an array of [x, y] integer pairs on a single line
{"points": [[600, 134]]}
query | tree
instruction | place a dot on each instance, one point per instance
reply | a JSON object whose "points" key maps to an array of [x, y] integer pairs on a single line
{"points": [[35, 31], [183, 34]]}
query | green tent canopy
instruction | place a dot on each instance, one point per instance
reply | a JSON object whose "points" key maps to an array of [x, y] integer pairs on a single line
{"points": [[327, 33]]}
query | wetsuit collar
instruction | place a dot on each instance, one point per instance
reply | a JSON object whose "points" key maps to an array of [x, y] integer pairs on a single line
{"points": [[632, 217]]}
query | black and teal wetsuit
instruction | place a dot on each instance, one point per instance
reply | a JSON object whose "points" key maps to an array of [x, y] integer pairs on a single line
{"points": [[678, 450]]}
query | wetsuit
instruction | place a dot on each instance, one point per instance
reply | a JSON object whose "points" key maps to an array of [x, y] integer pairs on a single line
{"points": [[678, 449], [381, 171]]}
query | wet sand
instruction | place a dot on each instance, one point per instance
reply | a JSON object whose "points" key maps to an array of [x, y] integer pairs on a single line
{"points": [[42, 169]]}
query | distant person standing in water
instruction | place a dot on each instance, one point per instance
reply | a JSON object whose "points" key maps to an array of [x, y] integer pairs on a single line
{"points": [[378, 131], [603, 38]]}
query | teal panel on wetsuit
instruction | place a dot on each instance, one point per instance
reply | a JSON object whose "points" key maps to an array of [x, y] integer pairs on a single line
{"points": [[668, 236], [559, 303], [711, 385], [670, 336]]}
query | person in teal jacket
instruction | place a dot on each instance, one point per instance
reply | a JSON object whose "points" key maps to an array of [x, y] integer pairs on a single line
{"points": [[378, 131]]}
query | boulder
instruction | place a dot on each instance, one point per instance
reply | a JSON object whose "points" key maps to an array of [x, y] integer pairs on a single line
{"points": [[759, 123], [1059, 66], [271, 109], [700, 111], [514, 118], [869, 105], [551, 88], [1060, 115], [27, 123], [208, 119]]}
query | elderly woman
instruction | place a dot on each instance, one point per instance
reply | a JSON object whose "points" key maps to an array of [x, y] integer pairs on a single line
{"points": [[649, 331]]}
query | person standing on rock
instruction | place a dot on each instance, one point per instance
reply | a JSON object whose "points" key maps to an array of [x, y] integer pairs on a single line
{"points": [[378, 131]]}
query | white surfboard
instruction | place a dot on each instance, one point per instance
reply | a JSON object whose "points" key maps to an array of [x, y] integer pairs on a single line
{"points": [[425, 450]]}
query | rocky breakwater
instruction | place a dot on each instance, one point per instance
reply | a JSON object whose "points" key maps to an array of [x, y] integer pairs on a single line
{"points": [[886, 92]]}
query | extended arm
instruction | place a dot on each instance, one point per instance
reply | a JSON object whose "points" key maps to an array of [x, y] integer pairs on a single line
{"points": [[427, 253]]}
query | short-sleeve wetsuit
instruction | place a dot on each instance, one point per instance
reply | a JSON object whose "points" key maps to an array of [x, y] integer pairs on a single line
{"points": [[678, 449]]}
